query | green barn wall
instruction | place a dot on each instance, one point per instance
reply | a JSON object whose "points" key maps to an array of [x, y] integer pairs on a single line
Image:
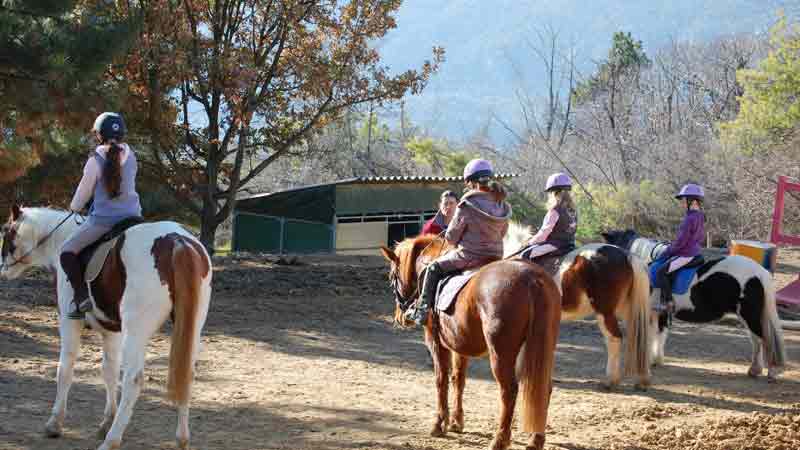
{"points": [[357, 199]]}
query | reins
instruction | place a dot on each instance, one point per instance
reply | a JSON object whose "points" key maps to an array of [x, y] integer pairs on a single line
{"points": [[402, 300], [38, 244]]}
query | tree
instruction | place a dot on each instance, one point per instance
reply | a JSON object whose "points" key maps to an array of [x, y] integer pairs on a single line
{"points": [[52, 54], [607, 97], [438, 155], [229, 87], [770, 111]]}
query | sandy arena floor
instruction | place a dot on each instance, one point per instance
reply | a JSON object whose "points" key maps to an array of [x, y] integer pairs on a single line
{"points": [[305, 357]]}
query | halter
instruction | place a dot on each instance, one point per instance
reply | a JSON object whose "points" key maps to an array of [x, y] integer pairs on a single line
{"points": [[5, 266]]}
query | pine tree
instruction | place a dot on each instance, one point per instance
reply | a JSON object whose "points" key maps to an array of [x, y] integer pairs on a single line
{"points": [[53, 54]]}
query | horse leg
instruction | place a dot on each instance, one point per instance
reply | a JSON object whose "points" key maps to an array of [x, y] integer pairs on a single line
{"points": [[136, 335], [111, 367], [70, 331], [504, 370], [441, 368], [660, 333], [609, 326], [756, 364], [459, 379]]}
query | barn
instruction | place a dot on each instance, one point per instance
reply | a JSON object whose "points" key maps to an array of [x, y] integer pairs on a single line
{"points": [[352, 216]]}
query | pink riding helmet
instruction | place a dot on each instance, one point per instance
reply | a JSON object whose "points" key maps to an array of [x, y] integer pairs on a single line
{"points": [[558, 181], [691, 190], [477, 168]]}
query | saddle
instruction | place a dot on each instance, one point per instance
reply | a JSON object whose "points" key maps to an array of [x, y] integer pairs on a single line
{"points": [[450, 286], [93, 257], [551, 262], [681, 279]]}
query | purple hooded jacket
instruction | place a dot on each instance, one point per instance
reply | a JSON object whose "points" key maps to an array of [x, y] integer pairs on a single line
{"points": [[690, 236]]}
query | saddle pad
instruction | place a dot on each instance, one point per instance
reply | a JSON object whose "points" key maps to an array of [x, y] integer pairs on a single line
{"points": [[449, 288], [681, 279], [98, 259]]}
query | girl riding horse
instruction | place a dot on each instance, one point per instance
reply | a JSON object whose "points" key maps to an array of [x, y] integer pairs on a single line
{"points": [[685, 249], [557, 233], [477, 230], [109, 177]]}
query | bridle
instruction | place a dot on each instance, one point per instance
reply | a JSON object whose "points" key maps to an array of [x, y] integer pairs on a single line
{"points": [[403, 301], [41, 242]]}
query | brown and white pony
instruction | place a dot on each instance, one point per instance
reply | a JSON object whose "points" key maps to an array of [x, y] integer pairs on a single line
{"points": [[154, 270], [606, 281], [509, 311]]}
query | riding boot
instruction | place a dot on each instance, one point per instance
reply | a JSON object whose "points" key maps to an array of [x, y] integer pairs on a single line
{"points": [[432, 276], [81, 303], [665, 286]]}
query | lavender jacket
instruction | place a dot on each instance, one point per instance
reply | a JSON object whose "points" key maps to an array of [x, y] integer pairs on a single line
{"points": [[690, 236], [479, 224]]}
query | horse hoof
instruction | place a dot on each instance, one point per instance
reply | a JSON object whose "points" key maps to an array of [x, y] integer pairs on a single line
{"points": [[456, 427], [537, 443], [438, 431], [103, 430], [642, 387], [183, 444], [608, 387], [754, 372], [499, 445], [112, 445], [772, 379], [52, 429]]}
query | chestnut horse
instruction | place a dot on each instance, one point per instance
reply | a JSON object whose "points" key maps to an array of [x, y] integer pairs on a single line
{"points": [[607, 281], [510, 311]]}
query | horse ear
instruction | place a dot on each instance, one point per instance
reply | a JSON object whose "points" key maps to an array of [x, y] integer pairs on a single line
{"points": [[389, 255], [16, 212]]}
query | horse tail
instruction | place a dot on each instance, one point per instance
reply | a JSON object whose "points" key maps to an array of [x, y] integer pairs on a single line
{"points": [[188, 264], [637, 331], [774, 349], [537, 357]]}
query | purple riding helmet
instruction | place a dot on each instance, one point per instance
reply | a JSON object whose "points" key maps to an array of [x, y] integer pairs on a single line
{"points": [[477, 169], [691, 190], [558, 181]]}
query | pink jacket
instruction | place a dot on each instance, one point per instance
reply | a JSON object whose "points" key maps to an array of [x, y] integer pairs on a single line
{"points": [[479, 224]]}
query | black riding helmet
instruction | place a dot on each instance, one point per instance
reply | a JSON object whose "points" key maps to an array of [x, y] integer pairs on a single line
{"points": [[110, 126]]}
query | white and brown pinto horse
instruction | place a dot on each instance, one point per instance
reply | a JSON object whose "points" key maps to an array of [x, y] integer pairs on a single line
{"points": [[606, 281], [154, 270]]}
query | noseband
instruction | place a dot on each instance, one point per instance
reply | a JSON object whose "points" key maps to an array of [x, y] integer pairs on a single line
{"points": [[397, 285]]}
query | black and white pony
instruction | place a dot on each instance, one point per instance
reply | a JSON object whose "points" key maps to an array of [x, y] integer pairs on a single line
{"points": [[728, 285]]}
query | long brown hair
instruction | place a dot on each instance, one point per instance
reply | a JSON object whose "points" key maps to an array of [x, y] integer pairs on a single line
{"points": [[112, 171], [484, 184]]}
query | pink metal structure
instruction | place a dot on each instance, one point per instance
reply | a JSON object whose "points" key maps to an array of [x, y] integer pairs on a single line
{"points": [[789, 296]]}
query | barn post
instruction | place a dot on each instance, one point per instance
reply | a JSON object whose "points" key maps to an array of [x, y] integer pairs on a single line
{"points": [[333, 233], [281, 235]]}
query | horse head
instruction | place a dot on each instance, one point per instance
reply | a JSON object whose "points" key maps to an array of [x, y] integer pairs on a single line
{"points": [[406, 264], [25, 234], [18, 240], [620, 238]]}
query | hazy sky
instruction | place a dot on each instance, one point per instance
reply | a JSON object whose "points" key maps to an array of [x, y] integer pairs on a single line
{"points": [[482, 37]]}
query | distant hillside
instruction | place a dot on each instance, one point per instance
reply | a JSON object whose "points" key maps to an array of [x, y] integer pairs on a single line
{"points": [[482, 36]]}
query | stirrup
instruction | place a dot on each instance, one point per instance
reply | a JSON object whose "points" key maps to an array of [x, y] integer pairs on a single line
{"points": [[79, 313], [76, 314], [666, 307]]}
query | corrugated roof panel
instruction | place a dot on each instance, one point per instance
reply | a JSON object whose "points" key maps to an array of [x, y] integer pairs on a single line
{"points": [[377, 180]]}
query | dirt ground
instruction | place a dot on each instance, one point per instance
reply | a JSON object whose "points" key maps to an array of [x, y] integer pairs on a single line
{"points": [[305, 357]]}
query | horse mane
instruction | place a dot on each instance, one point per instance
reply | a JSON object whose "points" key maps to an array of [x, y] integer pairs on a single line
{"points": [[410, 249]]}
